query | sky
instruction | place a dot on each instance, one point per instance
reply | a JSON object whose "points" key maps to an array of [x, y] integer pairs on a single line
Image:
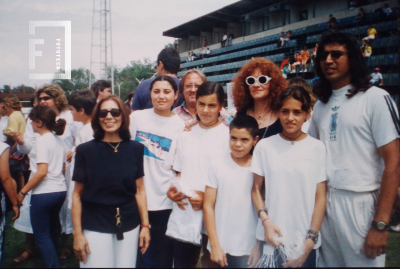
{"points": [[137, 27]]}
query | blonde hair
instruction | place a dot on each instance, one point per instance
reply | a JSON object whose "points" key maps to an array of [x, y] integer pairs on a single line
{"points": [[13, 102]]}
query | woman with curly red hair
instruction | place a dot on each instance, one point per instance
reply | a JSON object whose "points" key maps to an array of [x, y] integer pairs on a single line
{"points": [[256, 88]]}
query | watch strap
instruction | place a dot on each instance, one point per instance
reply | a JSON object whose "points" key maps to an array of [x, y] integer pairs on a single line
{"points": [[378, 225], [313, 238], [313, 232]]}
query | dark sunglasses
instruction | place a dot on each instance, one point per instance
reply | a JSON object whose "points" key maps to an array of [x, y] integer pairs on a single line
{"points": [[44, 98], [261, 79], [114, 112], [335, 54]]}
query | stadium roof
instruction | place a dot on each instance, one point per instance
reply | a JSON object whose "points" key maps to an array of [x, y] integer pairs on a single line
{"points": [[219, 18]]}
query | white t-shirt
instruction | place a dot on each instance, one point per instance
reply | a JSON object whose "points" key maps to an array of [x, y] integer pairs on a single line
{"points": [[85, 134], [50, 149], [235, 215], [3, 125], [291, 174], [376, 76], [159, 135], [353, 130], [3, 147]]}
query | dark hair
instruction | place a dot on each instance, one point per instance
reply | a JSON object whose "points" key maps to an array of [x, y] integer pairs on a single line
{"points": [[170, 59], [98, 132], [358, 68], [83, 99], [100, 85], [245, 122], [165, 78], [209, 88], [298, 93], [48, 117], [298, 81], [130, 96], [33, 100]]}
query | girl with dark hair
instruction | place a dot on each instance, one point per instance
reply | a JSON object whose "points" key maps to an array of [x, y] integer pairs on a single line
{"points": [[47, 183], [256, 89], [158, 129], [298, 217], [196, 149], [109, 198]]}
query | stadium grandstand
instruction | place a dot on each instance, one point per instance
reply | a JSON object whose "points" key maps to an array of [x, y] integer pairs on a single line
{"points": [[257, 26]]}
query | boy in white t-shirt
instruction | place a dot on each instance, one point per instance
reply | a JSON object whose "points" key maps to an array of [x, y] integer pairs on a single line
{"points": [[292, 165], [81, 103], [229, 215]]}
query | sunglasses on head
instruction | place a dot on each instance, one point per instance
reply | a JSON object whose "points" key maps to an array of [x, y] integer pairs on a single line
{"points": [[335, 54], [261, 79], [44, 98], [114, 112]]}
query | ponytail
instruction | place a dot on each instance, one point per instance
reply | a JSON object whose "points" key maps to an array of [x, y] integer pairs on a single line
{"points": [[48, 117]]}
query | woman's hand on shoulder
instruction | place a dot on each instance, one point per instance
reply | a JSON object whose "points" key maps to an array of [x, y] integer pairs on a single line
{"points": [[81, 247]]}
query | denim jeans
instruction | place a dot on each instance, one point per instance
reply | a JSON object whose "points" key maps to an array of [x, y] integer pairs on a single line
{"points": [[45, 220]]}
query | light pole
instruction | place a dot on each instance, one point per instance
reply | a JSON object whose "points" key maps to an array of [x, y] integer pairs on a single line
{"points": [[119, 88]]}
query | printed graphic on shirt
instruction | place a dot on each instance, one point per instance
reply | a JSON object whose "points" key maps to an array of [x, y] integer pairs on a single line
{"points": [[333, 124], [155, 146]]}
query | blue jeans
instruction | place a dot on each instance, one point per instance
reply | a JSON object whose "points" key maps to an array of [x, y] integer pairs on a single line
{"points": [[45, 220]]}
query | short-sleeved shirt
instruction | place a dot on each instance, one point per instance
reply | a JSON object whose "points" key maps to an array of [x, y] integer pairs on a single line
{"points": [[141, 99], [16, 123], [185, 115], [305, 55], [3, 147], [109, 180], [353, 129], [372, 31], [376, 76], [298, 58]]}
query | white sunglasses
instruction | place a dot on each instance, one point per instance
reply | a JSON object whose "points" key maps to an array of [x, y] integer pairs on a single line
{"points": [[261, 79]]}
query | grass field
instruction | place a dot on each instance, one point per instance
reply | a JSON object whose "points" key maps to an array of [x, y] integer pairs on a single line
{"points": [[14, 245]]}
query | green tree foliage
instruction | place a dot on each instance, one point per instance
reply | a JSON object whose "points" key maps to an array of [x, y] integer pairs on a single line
{"points": [[169, 45], [130, 74], [79, 80]]}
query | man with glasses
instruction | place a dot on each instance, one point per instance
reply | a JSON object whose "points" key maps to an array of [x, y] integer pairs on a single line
{"points": [[168, 64], [360, 128]]}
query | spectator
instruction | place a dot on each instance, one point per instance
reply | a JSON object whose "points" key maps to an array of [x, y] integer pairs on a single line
{"points": [[168, 63], [288, 36], [193, 55], [101, 89], [371, 32], [286, 70], [284, 63], [176, 43], [281, 40], [298, 61], [376, 78], [305, 55], [367, 49], [189, 57], [314, 52], [387, 10], [207, 53], [205, 43], [202, 53], [361, 15], [224, 39], [129, 100], [230, 38], [332, 23]]}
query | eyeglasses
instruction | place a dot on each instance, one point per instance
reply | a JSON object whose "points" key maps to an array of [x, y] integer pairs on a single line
{"points": [[261, 79], [44, 98], [335, 54], [114, 113]]}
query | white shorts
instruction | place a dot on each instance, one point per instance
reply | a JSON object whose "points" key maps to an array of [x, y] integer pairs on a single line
{"points": [[369, 37], [108, 252], [346, 223]]}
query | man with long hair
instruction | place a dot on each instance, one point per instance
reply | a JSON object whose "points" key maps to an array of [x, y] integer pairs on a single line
{"points": [[360, 128]]}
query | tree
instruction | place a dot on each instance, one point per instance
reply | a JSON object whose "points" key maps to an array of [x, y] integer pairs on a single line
{"points": [[169, 45], [79, 80]]}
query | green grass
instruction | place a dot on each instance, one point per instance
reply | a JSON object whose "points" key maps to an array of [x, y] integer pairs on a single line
{"points": [[15, 242]]}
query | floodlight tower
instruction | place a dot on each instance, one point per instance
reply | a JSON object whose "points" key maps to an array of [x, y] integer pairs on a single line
{"points": [[101, 56]]}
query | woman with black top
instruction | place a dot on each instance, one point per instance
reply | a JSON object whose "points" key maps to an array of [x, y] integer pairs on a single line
{"points": [[109, 199], [257, 86]]}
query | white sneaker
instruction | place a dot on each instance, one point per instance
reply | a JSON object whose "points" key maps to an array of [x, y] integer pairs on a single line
{"points": [[395, 228]]}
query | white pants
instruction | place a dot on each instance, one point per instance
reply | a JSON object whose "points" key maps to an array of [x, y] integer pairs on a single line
{"points": [[346, 223], [369, 37], [108, 252]]}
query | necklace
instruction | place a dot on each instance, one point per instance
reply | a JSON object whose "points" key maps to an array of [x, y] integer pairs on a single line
{"points": [[266, 128], [209, 126], [292, 140], [116, 147], [259, 118]]}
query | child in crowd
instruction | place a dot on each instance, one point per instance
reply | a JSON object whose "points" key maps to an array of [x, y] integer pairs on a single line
{"points": [[197, 148], [47, 183], [158, 130], [81, 103], [228, 209], [292, 165]]}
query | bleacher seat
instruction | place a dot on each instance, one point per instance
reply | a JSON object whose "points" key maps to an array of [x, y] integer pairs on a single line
{"points": [[390, 59], [386, 79], [395, 79]]}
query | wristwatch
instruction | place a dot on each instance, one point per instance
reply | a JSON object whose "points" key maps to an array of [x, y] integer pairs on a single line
{"points": [[313, 238], [380, 226]]}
